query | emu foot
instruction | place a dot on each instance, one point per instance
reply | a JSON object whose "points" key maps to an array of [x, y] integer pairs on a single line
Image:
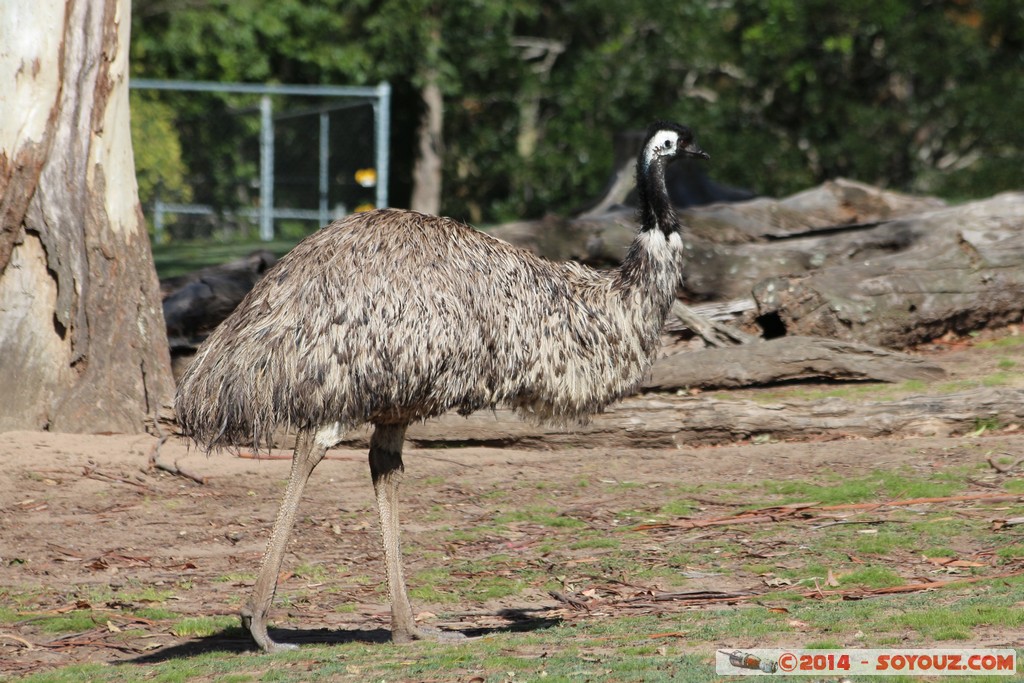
{"points": [[258, 629], [426, 633]]}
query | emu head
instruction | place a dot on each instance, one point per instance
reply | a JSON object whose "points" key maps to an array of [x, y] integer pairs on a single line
{"points": [[668, 141]]}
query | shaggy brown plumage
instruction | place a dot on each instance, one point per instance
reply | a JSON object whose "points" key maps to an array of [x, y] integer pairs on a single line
{"points": [[392, 316]]}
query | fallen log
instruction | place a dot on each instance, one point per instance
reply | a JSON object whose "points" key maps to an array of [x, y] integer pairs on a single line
{"points": [[196, 303], [662, 421], [733, 246], [786, 359], [966, 275], [711, 330]]}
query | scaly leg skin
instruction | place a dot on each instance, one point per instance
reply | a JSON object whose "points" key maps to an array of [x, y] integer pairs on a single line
{"points": [[308, 453], [386, 469]]}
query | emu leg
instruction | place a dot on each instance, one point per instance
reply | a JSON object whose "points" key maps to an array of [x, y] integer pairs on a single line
{"points": [[308, 453], [386, 469]]}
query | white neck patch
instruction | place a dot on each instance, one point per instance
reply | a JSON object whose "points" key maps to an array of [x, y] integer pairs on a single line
{"points": [[663, 143]]}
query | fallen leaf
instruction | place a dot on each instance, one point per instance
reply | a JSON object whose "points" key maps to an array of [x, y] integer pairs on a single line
{"points": [[796, 623], [112, 627], [778, 610], [831, 580]]}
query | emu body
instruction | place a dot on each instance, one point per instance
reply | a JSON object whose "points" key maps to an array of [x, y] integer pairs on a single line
{"points": [[392, 316]]}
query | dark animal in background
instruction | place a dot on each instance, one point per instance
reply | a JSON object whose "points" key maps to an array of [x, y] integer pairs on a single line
{"points": [[390, 317]]}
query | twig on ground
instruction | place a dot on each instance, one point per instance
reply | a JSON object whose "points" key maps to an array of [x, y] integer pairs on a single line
{"points": [[855, 593], [27, 645], [575, 603], [870, 522], [1004, 470], [998, 524], [104, 477], [785, 512], [175, 469]]}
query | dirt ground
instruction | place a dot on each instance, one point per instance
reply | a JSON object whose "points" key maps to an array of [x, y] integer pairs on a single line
{"points": [[86, 523]]}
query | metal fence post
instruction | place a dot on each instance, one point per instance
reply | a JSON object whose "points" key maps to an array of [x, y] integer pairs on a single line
{"points": [[325, 155], [158, 220], [379, 97], [266, 169], [382, 130]]}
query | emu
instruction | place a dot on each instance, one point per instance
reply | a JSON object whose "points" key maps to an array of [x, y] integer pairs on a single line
{"points": [[392, 316]]}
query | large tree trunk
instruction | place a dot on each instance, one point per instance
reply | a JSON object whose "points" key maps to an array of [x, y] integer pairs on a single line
{"points": [[82, 345]]}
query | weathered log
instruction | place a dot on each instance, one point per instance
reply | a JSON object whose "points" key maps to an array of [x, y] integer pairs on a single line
{"points": [[661, 421], [256, 263], [713, 332], [966, 274], [733, 246], [786, 359], [196, 303]]}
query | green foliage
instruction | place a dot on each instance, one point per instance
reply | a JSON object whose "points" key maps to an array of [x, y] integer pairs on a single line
{"points": [[158, 162], [783, 93]]}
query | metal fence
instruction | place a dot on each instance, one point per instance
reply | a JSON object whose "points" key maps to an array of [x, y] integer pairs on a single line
{"points": [[265, 213]]}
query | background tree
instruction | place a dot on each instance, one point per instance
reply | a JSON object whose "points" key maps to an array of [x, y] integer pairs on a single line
{"points": [[784, 93], [82, 343]]}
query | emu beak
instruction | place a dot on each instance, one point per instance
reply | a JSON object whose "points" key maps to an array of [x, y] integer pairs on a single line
{"points": [[694, 150]]}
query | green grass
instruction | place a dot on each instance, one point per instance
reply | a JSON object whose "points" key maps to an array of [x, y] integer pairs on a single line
{"points": [[871, 577], [313, 573], [78, 620], [1002, 342], [678, 508], [943, 623], [540, 515], [200, 627], [555, 551], [597, 542], [878, 486], [146, 594], [180, 258], [1015, 485]]}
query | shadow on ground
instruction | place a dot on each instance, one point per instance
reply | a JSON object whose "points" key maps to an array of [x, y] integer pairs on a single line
{"points": [[237, 640]]}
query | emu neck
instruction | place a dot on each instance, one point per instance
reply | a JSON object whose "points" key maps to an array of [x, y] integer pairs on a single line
{"points": [[656, 212], [653, 267]]}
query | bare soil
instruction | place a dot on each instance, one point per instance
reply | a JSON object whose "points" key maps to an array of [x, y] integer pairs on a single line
{"points": [[87, 523]]}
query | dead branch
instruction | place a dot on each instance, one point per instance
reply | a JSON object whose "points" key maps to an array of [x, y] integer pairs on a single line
{"points": [[857, 593], [175, 468], [1004, 470]]}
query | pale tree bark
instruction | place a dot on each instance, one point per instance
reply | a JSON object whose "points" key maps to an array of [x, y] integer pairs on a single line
{"points": [[426, 173], [82, 341]]}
